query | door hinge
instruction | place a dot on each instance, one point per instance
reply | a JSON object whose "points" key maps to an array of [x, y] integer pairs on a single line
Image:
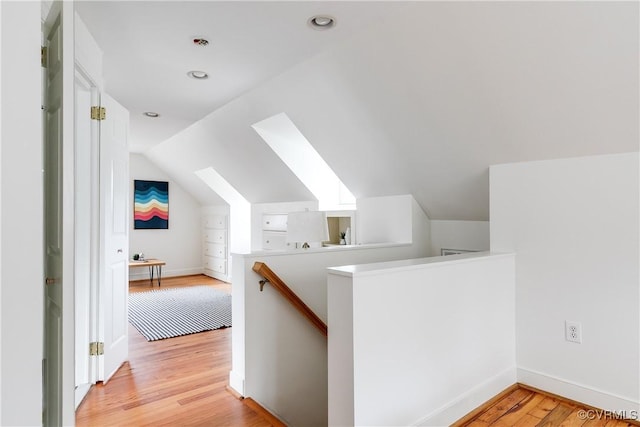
{"points": [[96, 349], [98, 113], [43, 56]]}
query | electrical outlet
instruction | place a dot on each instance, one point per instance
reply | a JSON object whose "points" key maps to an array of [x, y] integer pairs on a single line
{"points": [[573, 331]]}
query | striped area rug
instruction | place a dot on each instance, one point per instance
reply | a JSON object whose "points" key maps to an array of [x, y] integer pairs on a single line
{"points": [[173, 312]]}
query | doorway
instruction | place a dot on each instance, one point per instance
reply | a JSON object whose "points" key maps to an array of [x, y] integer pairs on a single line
{"points": [[180, 380]]}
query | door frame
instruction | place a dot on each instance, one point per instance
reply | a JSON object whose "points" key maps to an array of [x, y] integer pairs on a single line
{"points": [[87, 236], [88, 67], [66, 365]]}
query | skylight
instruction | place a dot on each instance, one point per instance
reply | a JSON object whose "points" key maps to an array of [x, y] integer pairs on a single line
{"points": [[298, 154]]}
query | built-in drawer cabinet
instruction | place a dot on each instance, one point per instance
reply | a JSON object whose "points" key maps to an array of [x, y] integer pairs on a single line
{"points": [[215, 264], [274, 231], [274, 222], [216, 236], [216, 221], [275, 241], [215, 250]]}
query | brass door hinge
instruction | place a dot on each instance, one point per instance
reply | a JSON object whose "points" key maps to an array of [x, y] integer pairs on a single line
{"points": [[96, 349], [98, 113], [43, 56]]}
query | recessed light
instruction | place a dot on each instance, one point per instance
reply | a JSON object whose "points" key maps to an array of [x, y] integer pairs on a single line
{"points": [[321, 22], [151, 114], [198, 75], [200, 41]]}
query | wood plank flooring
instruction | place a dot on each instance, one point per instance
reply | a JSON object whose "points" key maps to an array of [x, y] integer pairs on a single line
{"points": [[523, 407], [177, 381]]}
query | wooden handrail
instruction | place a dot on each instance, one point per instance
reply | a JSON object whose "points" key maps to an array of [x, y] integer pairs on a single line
{"points": [[271, 277]]}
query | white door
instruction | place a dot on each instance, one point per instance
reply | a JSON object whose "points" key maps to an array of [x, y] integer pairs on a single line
{"points": [[114, 211], [52, 116]]}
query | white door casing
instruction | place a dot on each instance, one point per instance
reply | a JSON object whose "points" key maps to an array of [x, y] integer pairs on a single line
{"points": [[86, 221], [114, 213], [88, 85]]}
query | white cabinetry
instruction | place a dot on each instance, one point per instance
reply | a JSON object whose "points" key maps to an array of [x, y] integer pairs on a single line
{"points": [[274, 222], [274, 231], [215, 246]]}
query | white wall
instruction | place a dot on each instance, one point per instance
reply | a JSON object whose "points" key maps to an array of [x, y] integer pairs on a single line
{"points": [[21, 233], [425, 351], [466, 235], [573, 224], [215, 210], [239, 228], [391, 219], [181, 245], [384, 219], [279, 359]]}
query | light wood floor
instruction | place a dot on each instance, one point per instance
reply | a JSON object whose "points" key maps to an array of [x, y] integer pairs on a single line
{"points": [[528, 408], [177, 381]]}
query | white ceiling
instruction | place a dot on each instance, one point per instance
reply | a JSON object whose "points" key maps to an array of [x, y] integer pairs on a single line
{"points": [[400, 98], [148, 50]]}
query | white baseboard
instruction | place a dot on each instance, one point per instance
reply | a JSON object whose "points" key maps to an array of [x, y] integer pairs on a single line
{"points": [[236, 382], [143, 274], [81, 392], [578, 392], [469, 400], [218, 276]]}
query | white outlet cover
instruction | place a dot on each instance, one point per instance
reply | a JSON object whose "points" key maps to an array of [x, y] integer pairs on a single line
{"points": [[573, 331]]}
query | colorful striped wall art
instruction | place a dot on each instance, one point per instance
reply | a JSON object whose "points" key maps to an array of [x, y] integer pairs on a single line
{"points": [[151, 204]]}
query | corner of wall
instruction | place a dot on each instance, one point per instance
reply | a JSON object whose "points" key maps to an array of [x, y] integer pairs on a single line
{"points": [[238, 333], [564, 248], [470, 400], [421, 228]]}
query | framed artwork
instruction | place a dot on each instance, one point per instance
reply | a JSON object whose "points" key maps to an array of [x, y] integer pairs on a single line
{"points": [[150, 204]]}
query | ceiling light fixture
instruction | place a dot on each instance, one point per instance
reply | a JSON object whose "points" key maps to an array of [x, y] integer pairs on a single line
{"points": [[151, 114], [321, 22], [198, 75], [200, 41]]}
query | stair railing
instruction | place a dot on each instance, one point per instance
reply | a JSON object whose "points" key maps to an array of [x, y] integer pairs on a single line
{"points": [[270, 277]]}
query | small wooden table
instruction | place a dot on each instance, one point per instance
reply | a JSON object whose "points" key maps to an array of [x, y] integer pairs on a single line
{"points": [[153, 264]]}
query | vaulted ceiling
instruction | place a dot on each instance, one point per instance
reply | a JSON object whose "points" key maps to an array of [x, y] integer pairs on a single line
{"points": [[399, 98]]}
